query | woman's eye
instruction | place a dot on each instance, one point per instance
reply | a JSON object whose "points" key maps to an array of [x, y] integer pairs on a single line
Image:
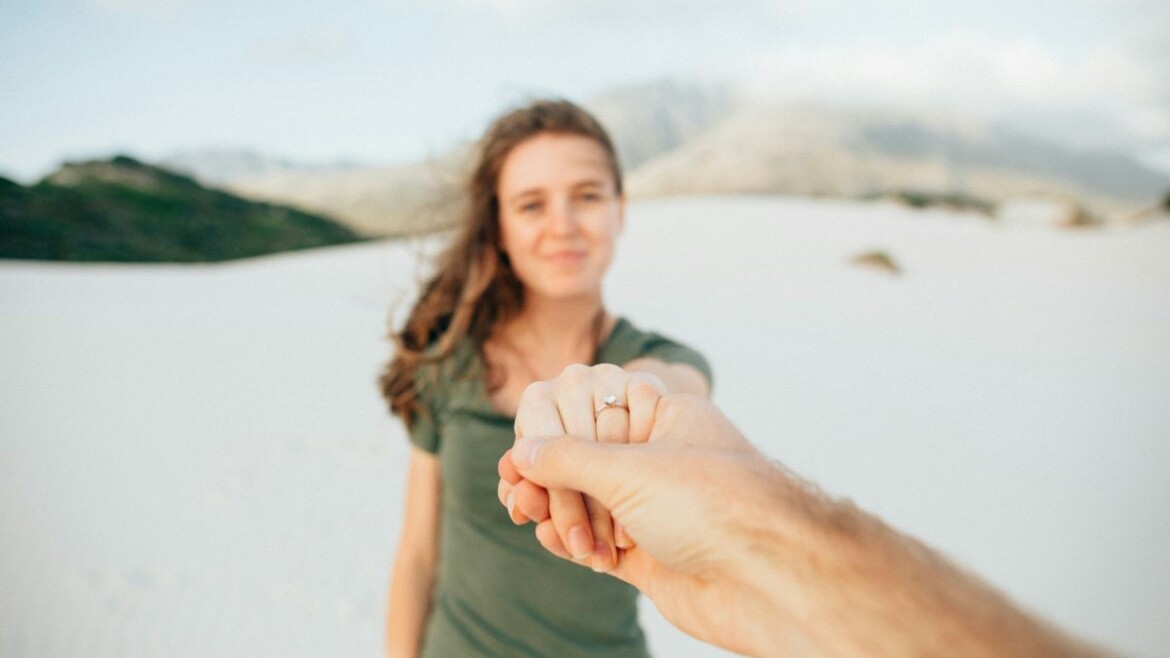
{"points": [[530, 208], [589, 197]]}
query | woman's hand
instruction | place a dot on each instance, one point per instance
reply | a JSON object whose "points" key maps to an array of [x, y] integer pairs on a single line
{"points": [[571, 525], [683, 497]]}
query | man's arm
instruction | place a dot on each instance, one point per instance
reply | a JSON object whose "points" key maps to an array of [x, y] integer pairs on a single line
{"points": [[742, 553]]}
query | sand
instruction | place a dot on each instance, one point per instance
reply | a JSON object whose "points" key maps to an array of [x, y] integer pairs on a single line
{"points": [[194, 460]]}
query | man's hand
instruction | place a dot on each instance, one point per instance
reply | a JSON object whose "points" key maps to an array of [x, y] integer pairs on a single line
{"points": [[575, 403], [742, 553]]}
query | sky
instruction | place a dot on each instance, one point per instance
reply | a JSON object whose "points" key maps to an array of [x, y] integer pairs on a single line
{"points": [[389, 81]]}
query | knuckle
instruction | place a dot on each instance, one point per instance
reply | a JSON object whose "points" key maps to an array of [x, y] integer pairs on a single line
{"points": [[642, 387], [573, 377], [535, 394], [607, 370], [654, 381], [575, 371], [535, 391]]}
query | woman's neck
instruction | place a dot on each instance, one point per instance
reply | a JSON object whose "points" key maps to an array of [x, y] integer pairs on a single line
{"points": [[541, 341], [548, 335], [559, 323]]}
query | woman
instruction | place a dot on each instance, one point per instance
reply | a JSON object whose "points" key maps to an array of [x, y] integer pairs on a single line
{"points": [[517, 299]]}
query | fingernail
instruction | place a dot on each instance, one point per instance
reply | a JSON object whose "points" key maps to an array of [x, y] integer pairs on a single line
{"points": [[579, 543], [510, 503], [524, 452], [602, 557]]}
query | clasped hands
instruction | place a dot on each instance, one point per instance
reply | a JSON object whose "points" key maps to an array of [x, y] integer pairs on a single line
{"points": [[570, 524], [659, 513], [732, 548]]}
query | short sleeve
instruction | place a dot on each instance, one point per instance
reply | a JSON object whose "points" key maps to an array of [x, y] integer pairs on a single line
{"points": [[423, 430], [424, 433], [664, 349], [627, 343]]}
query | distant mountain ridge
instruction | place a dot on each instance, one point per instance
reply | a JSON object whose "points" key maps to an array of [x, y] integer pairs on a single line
{"points": [[648, 120], [678, 139], [215, 166], [644, 121], [382, 201], [850, 152], [127, 211]]}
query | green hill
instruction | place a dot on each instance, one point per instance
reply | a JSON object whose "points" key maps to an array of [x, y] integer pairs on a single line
{"points": [[127, 211]]}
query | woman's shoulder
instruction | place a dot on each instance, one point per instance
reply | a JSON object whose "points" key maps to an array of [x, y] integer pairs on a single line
{"points": [[627, 342], [626, 332], [438, 374]]}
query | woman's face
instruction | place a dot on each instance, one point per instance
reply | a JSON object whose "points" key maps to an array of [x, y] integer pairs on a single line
{"points": [[560, 214]]}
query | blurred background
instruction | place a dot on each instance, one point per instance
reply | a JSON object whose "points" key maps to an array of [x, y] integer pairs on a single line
{"points": [[931, 237], [362, 111]]}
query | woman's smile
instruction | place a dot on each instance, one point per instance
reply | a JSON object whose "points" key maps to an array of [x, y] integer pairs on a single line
{"points": [[566, 257]]}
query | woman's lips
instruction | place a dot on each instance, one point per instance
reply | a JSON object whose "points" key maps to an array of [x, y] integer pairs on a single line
{"points": [[565, 257]]}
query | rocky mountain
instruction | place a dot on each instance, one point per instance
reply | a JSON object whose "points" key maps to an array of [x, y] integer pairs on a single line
{"points": [[648, 120], [383, 201], [123, 210], [677, 139], [849, 152], [645, 121]]}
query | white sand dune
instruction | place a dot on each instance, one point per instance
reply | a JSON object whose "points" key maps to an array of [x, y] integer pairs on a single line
{"points": [[194, 460]]}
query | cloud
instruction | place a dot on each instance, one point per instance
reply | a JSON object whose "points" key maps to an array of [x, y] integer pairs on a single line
{"points": [[974, 73]]}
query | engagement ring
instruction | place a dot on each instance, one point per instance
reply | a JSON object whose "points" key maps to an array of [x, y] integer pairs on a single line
{"points": [[609, 402]]}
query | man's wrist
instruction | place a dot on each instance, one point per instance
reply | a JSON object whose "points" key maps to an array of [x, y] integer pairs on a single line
{"points": [[831, 577], [797, 553]]}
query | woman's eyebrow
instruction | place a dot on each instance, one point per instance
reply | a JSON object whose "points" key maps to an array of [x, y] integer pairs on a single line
{"points": [[522, 194], [592, 182], [538, 192]]}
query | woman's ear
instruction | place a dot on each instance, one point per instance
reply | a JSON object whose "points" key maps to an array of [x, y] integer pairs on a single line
{"points": [[621, 218]]}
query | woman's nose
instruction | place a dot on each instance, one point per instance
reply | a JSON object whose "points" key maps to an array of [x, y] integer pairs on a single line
{"points": [[563, 218]]}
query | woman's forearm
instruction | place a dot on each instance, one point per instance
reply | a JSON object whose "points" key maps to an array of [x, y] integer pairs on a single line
{"points": [[679, 378], [409, 606], [413, 575]]}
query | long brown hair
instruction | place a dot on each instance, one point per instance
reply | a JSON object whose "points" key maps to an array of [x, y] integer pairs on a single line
{"points": [[475, 289]]}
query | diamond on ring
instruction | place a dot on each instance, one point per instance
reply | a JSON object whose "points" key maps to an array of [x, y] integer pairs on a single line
{"points": [[609, 402]]}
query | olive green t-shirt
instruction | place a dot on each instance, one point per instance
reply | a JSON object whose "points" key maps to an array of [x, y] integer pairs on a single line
{"points": [[498, 593]]}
